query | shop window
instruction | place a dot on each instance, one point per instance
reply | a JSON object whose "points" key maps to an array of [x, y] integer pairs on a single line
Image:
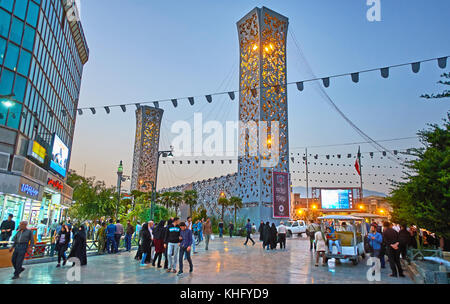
{"points": [[16, 31], [19, 88], [6, 82], [21, 8], [24, 62], [5, 20], [32, 16], [12, 54], [7, 5]]}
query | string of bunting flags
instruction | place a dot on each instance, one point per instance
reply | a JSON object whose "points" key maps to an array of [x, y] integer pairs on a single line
{"points": [[415, 66]]}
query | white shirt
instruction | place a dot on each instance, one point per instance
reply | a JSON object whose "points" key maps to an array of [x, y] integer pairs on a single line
{"points": [[281, 229], [189, 225]]}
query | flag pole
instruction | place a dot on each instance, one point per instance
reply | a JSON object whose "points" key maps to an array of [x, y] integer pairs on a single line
{"points": [[360, 174]]}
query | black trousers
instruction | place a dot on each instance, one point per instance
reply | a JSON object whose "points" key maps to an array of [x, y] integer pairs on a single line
{"points": [[61, 253], [183, 251], [158, 256], [249, 238], [282, 240], [394, 260], [166, 260], [403, 251], [18, 257]]}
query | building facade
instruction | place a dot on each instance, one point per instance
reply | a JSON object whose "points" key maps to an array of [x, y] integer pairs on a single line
{"points": [[262, 109], [146, 146], [42, 53]]}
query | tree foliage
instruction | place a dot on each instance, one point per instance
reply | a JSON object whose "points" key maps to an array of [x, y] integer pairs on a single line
{"points": [[423, 198], [445, 93], [236, 203]]}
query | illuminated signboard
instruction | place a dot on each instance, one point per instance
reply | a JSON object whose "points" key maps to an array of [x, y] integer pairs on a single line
{"points": [[336, 198], [36, 151], [60, 156], [31, 191], [55, 183]]}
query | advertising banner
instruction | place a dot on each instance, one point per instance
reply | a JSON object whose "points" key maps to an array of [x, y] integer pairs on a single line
{"points": [[60, 156], [281, 195]]}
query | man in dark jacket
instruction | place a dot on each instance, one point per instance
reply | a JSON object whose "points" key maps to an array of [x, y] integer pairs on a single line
{"points": [[21, 241], [128, 235], [248, 227], [171, 242], [185, 247], [404, 238], [390, 237], [230, 229], [7, 228]]}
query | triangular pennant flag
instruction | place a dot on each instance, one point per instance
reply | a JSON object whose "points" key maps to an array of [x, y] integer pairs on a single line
{"points": [[300, 86], [191, 100], [107, 110], [124, 108], [93, 110], [175, 102], [137, 105], [326, 82], [442, 62], [415, 67], [80, 112], [254, 93], [209, 98], [231, 94], [355, 77], [156, 104], [385, 72]]}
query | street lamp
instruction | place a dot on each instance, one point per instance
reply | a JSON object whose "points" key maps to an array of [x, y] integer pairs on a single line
{"points": [[120, 178]]}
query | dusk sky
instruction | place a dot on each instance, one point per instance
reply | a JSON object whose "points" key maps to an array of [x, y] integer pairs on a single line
{"points": [[142, 50]]}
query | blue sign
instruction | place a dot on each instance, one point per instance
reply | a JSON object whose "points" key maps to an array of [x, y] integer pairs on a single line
{"points": [[31, 191]]}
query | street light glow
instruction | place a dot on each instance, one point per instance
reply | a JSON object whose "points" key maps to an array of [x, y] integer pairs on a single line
{"points": [[7, 103]]}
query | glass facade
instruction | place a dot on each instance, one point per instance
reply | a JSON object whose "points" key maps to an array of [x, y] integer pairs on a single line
{"points": [[42, 55]]}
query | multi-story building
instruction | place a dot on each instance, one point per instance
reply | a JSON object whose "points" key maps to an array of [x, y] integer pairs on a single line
{"points": [[42, 53]]}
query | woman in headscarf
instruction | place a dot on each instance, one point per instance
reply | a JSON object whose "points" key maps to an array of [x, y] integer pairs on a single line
{"points": [[62, 242], [158, 240], [266, 236], [146, 243], [273, 236], [79, 246], [166, 230]]}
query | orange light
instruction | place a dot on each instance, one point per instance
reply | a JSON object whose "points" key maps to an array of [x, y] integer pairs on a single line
{"points": [[300, 211], [255, 47], [266, 48], [361, 207], [314, 206], [381, 211], [271, 46]]}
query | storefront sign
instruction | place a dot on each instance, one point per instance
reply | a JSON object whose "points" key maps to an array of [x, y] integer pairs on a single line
{"points": [[280, 190], [36, 151], [55, 184], [31, 191]]}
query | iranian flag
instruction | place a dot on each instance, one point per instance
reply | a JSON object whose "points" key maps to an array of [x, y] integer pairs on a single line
{"points": [[357, 162]]}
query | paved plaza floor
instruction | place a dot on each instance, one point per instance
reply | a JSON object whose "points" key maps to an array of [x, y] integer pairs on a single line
{"points": [[226, 261]]}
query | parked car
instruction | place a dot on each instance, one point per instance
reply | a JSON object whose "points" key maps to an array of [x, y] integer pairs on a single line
{"points": [[295, 227]]}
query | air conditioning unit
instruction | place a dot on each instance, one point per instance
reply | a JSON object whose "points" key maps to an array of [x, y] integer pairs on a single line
{"points": [[4, 161]]}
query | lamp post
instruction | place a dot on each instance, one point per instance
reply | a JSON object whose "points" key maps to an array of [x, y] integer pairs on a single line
{"points": [[120, 178]]}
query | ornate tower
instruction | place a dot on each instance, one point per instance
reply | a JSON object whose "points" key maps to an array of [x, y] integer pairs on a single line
{"points": [[262, 105], [146, 145]]}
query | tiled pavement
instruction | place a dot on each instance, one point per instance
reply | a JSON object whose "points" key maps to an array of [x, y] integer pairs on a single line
{"points": [[226, 261]]}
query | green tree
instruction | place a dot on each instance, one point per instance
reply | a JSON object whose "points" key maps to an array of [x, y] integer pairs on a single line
{"points": [[423, 198], [445, 93], [165, 199], [190, 198], [177, 199], [236, 202], [225, 203]]}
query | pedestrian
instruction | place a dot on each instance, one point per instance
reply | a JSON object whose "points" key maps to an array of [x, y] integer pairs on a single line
{"points": [[311, 230], [69, 225], [185, 247], [101, 239], [404, 238], [78, 250], [319, 240], [53, 228], [166, 247], [230, 229], [110, 237], [158, 240], [21, 240], [207, 230], [118, 235], [189, 225], [129, 234], [282, 235], [200, 229], [260, 230], [390, 237], [266, 235], [40, 231], [248, 229], [172, 241], [273, 237], [136, 231], [7, 228], [375, 240], [62, 241], [146, 243], [53, 233], [152, 252], [221, 228], [253, 228]]}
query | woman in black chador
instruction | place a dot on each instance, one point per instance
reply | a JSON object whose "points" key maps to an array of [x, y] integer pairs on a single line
{"points": [[273, 237], [79, 246], [266, 236]]}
